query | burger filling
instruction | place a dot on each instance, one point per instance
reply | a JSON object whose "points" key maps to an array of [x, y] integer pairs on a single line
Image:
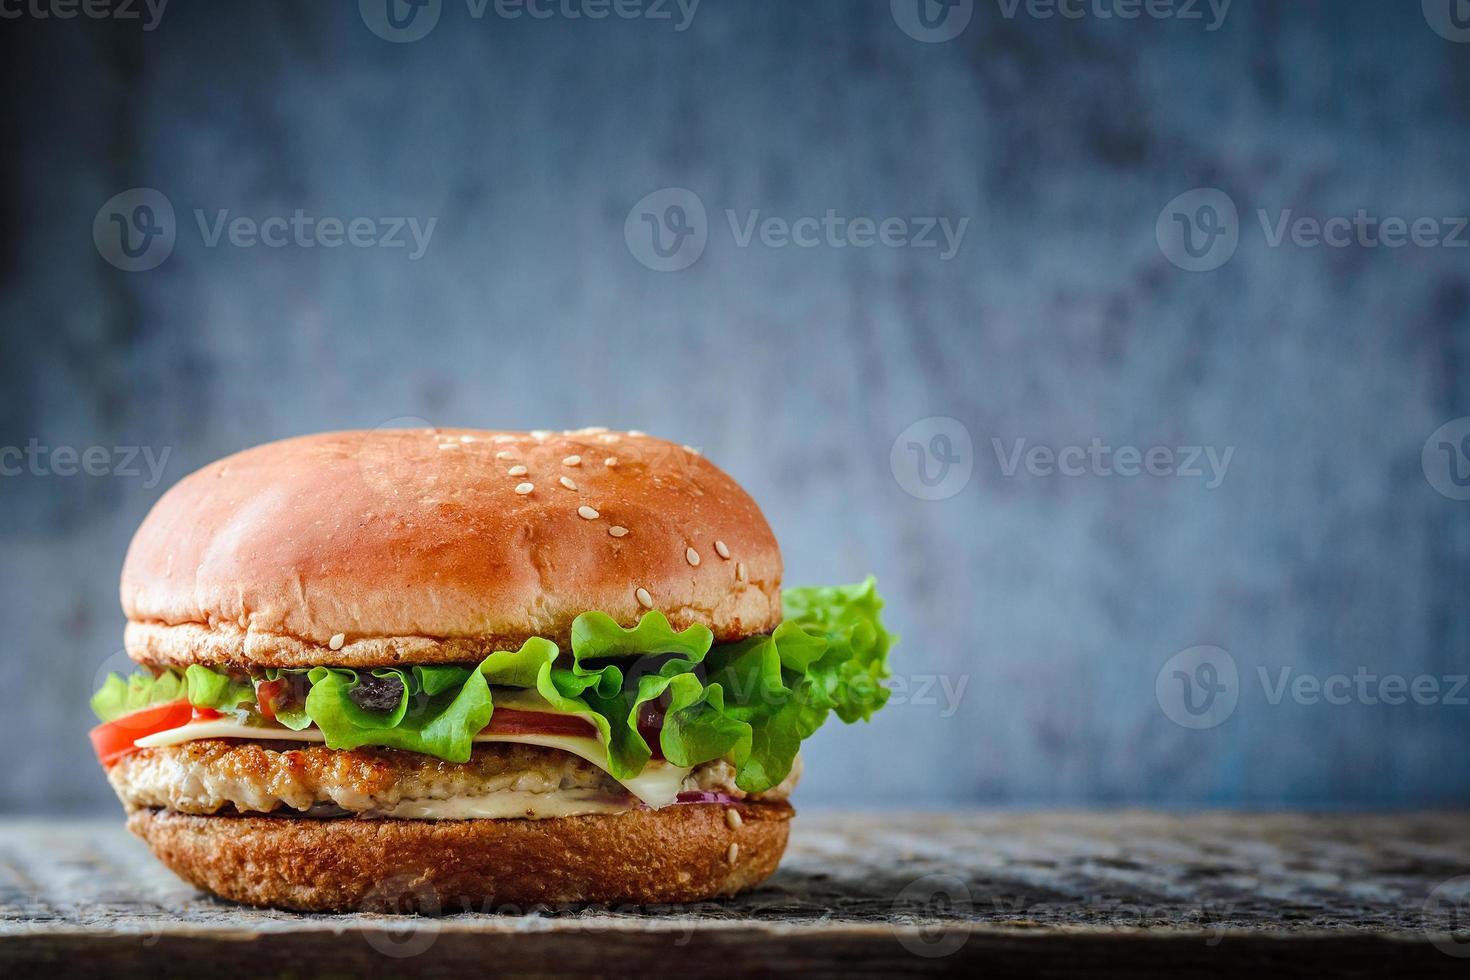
{"points": [[641, 716]]}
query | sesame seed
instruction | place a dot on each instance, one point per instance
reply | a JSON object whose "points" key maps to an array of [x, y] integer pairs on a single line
{"points": [[740, 571], [516, 470], [637, 432], [505, 454], [610, 461], [466, 438], [592, 430], [448, 445], [691, 449], [539, 434], [691, 556], [732, 817], [722, 550], [566, 481], [588, 512], [608, 437], [733, 852], [525, 488], [644, 599], [572, 461], [337, 640], [503, 438], [617, 530]]}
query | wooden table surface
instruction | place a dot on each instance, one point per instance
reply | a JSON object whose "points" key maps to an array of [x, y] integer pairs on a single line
{"points": [[1057, 894]]}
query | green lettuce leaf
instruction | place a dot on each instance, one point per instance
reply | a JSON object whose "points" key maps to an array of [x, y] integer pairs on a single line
{"points": [[596, 635], [213, 689], [847, 677], [829, 654], [438, 712], [141, 689], [701, 730], [644, 662], [293, 716]]}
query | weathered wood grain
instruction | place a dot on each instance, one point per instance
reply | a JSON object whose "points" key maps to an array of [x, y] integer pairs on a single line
{"points": [[1059, 894]]}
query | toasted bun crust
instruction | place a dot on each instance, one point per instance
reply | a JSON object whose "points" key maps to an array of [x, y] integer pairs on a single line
{"points": [[415, 546], [676, 854]]}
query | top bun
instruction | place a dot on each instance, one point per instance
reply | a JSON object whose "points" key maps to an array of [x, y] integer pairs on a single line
{"points": [[440, 546]]}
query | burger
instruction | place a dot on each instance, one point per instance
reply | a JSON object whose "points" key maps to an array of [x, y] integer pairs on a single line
{"points": [[436, 669]]}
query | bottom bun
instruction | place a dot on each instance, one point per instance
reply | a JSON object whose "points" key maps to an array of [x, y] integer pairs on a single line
{"points": [[681, 853]]}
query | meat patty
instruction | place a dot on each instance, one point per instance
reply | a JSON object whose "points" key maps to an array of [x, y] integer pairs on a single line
{"points": [[209, 775]]}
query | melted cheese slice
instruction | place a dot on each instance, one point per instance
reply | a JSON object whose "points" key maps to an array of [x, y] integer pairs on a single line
{"points": [[657, 785], [223, 728]]}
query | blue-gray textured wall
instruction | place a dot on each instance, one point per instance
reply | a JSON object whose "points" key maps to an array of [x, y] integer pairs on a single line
{"points": [[1050, 621]]}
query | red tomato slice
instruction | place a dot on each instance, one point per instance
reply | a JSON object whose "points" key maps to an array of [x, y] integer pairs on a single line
{"points": [[266, 693], [512, 721], [114, 739]]}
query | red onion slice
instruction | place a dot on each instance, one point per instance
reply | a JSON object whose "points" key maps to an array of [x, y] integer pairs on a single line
{"points": [[700, 796]]}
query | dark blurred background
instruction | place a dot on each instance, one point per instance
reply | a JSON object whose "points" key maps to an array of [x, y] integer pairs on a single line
{"points": [[1084, 232]]}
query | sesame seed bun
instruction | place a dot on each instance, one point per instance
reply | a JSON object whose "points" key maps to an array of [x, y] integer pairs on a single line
{"points": [[383, 547], [680, 853]]}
